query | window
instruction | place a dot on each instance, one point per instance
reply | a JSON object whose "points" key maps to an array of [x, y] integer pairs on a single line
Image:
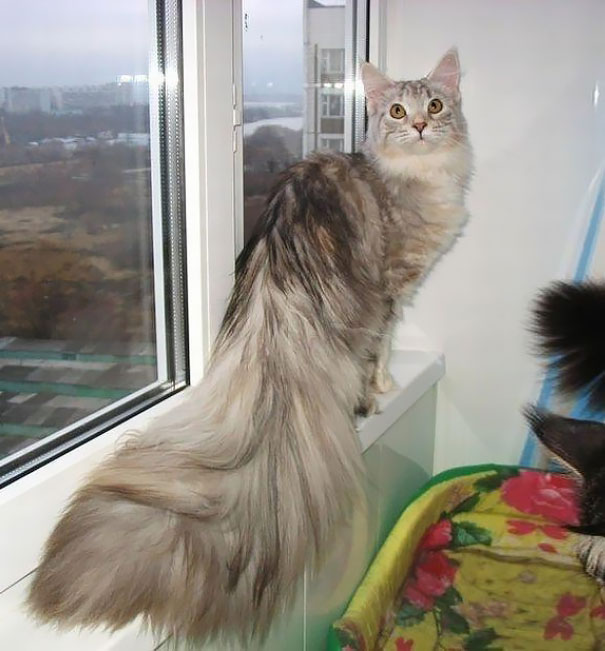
{"points": [[332, 105], [92, 322], [30, 507], [333, 60], [333, 144], [299, 79]]}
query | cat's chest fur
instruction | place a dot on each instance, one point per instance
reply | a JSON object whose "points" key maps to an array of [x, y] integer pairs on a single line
{"points": [[427, 213]]}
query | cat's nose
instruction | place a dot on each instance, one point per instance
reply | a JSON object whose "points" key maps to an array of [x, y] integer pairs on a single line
{"points": [[419, 126]]}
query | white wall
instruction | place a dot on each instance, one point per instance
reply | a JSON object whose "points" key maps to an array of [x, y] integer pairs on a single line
{"points": [[530, 73]]}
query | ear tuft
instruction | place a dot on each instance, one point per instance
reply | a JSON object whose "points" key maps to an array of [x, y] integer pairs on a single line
{"points": [[535, 417], [578, 443], [375, 85], [447, 71]]}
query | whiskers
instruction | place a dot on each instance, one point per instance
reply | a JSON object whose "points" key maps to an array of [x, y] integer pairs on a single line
{"points": [[591, 552]]}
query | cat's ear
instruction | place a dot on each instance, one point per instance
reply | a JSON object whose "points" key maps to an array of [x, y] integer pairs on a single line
{"points": [[375, 85], [447, 72], [580, 444]]}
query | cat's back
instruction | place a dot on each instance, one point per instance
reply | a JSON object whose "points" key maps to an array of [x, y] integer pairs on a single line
{"points": [[322, 226], [348, 176], [328, 196]]}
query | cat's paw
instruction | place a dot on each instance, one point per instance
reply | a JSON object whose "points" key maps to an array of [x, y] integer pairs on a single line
{"points": [[382, 382], [367, 406]]}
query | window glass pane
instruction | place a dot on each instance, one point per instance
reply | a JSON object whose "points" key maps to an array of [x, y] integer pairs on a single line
{"points": [[332, 103], [295, 55], [333, 60], [77, 304], [334, 143]]}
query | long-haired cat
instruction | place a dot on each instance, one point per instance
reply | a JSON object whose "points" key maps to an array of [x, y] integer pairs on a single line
{"points": [[204, 523], [570, 323]]}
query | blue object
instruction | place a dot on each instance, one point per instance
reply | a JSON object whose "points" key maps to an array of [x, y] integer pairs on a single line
{"points": [[580, 409]]}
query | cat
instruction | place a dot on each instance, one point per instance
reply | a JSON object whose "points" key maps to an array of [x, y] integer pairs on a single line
{"points": [[204, 524], [569, 320]]}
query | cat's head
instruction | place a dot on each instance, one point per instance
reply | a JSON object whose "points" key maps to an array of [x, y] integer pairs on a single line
{"points": [[415, 118], [579, 445]]}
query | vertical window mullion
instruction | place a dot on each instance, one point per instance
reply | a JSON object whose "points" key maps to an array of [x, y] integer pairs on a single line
{"points": [[173, 191], [157, 146], [356, 46]]}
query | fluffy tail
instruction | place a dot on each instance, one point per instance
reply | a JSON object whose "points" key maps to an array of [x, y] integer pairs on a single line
{"points": [[203, 526], [569, 320]]}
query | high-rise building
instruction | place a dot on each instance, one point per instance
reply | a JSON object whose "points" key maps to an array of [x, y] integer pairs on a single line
{"points": [[18, 99], [324, 103]]}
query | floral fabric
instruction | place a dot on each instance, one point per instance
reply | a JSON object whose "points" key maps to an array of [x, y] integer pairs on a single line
{"points": [[485, 564]]}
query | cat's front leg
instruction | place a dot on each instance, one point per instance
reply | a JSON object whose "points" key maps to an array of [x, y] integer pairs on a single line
{"points": [[381, 380], [367, 404], [376, 376]]}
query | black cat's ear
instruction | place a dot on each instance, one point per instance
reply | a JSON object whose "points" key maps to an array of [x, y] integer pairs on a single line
{"points": [[579, 444]]}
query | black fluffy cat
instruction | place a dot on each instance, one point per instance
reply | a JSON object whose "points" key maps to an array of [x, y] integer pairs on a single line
{"points": [[569, 320]]}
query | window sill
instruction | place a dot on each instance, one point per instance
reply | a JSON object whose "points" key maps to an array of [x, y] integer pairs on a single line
{"points": [[18, 631], [30, 506], [414, 373]]}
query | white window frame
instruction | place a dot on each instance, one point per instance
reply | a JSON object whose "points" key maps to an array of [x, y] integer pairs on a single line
{"points": [[30, 506]]}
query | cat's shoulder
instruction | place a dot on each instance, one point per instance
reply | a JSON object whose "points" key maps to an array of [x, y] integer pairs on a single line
{"points": [[330, 163], [331, 172]]}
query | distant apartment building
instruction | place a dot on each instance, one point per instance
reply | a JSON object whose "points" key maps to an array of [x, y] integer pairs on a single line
{"points": [[127, 90], [16, 99], [324, 104]]}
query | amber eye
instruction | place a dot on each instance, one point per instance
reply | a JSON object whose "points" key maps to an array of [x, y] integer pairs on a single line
{"points": [[435, 105], [397, 111]]}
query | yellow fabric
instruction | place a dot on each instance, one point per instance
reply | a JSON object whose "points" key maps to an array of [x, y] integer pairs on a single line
{"points": [[479, 563]]}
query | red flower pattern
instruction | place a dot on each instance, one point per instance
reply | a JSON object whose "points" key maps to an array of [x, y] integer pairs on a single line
{"points": [[404, 645], [437, 536], [569, 605], [599, 612], [554, 531], [520, 527], [549, 495], [558, 626], [539, 494], [416, 597], [524, 527], [435, 574]]}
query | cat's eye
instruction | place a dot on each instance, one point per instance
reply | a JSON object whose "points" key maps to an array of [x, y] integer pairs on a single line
{"points": [[435, 105], [397, 111]]}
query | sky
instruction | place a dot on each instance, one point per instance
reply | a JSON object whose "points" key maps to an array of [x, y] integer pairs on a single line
{"points": [[80, 42], [273, 46], [72, 42]]}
